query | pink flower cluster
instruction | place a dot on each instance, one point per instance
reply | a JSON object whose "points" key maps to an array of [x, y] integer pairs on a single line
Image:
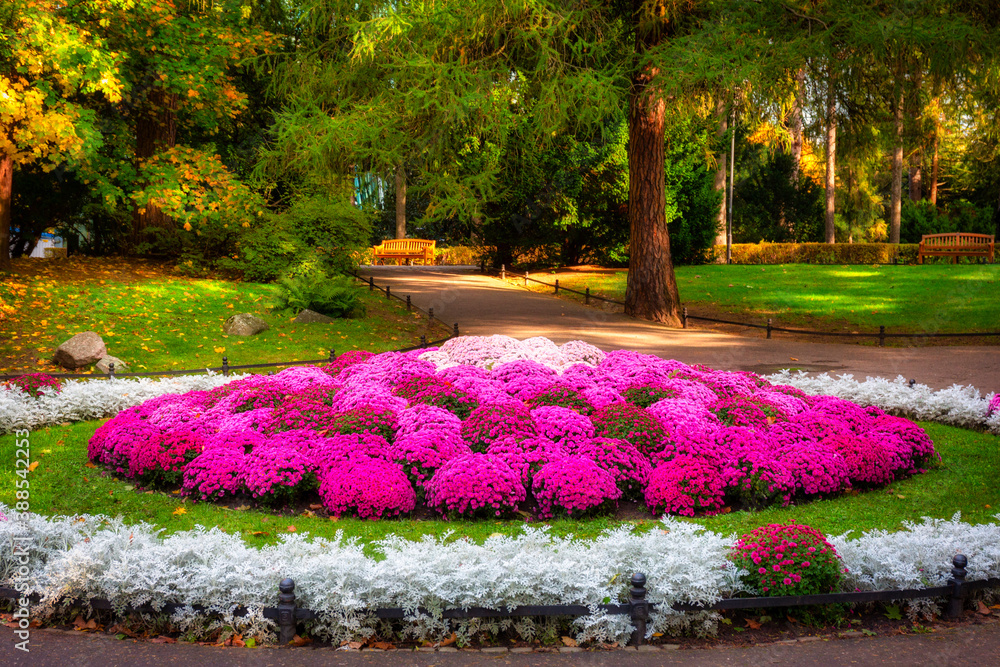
{"points": [[788, 559], [375, 434], [33, 383]]}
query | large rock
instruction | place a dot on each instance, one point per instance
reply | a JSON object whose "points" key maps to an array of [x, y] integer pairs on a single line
{"points": [[307, 316], [244, 324], [81, 350], [104, 365]]}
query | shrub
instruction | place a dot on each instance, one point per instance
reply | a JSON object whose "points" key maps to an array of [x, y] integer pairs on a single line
{"points": [[818, 253], [159, 461], [623, 421], [475, 485], [685, 485], [559, 395], [490, 423], [371, 488], [788, 559], [276, 474], [574, 485], [33, 383], [215, 473], [627, 465], [432, 390], [644, 395], [335, 296]]}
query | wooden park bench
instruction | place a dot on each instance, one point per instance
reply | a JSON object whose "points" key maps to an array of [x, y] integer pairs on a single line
{"points": [[955, 245], [400, 249]]}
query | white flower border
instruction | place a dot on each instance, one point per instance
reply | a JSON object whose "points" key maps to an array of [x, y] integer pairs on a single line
{"points": [[95, 556]]}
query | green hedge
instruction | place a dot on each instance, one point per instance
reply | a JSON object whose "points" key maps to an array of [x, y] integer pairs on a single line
{"points": [[818, 253]]}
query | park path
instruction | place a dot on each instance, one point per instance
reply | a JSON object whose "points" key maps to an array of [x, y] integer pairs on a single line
{"points": [[962, 645], [483, 305]]}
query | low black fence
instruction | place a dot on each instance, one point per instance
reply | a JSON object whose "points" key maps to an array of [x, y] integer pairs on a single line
{"points": [[226, 367], [287, 614], [881, 335]]}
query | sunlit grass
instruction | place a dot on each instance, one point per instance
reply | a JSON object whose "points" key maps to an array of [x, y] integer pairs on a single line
{"points": [[63, 484], [911, 299]]}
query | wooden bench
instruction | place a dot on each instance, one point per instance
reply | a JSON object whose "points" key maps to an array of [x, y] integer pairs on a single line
{"points": [[400, 249], [955, 245]]}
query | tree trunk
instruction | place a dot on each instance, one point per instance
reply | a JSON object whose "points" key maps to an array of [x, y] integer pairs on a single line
{"points": [[935, 167], [6, 192], [896, 201], [831, 159], [400, 201], [155, 131], [719, 184], [651, 293], [795, 118], [916, 177]]}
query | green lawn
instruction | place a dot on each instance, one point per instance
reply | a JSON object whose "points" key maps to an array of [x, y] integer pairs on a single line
{"points": [[62, 483], [911, 299], [154, 320]]}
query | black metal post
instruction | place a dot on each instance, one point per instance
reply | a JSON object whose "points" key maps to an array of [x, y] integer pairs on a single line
{"points": [[912, 382], [423, 341], [408, 305], [388, 294], [430, 314], [881, 336], [769, 328], [333, 356], [684, 317], [455, 330], [225, 366], [286, 612], [371, 284], [640, 608], [557, 287], [586, 297], [957, 600], [111, 370]]}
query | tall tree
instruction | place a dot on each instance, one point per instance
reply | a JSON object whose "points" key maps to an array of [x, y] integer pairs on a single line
{"points": [[46, 61]]}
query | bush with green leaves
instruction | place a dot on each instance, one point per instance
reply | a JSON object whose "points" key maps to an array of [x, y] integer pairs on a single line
{"points": [[335, 296]]}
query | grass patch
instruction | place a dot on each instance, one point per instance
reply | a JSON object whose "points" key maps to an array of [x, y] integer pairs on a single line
{"points": [[154, 320], [63, 484], [912, 299]]}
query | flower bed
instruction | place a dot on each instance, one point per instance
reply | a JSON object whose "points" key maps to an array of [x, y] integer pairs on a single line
{"points": [[488, 426], [85, 557]]}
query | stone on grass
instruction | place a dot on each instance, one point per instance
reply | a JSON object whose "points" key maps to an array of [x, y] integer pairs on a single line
{"points": [[244, 324], [307, 316], [104, 365], [81, 350]]}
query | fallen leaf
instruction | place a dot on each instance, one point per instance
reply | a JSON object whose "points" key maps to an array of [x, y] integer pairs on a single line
{"points": [[163, 640], [450, 640], [568, 641], [793, 358], [355, 645], [32, 466], [291, 529], [385, 646], [983, 609], [88, 464], [317, 506], [752, 624], [300, 641]]}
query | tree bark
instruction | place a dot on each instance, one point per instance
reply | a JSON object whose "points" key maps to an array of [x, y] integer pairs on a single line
{"points": [[400, 201], [795, 118], [935, 167], [651, 293], [831, 159], [155, 131], [896, 197], [719, 184], [916, 177], [6, 192]]}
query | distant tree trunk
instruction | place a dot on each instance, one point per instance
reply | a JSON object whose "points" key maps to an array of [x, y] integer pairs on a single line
{"points": [[795, 126], [935, 167], [719, 184], [896, 197], [400, 201], [155, 131], [831, 159], [6, 192], [916, 177], [651, 293]]}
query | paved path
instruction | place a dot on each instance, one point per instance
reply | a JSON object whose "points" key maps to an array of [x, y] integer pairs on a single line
{"points": [[968, 645], [483, 305]]}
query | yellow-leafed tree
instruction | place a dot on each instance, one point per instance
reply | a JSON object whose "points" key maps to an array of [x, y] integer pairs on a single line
{"points": [[47, 64]]}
